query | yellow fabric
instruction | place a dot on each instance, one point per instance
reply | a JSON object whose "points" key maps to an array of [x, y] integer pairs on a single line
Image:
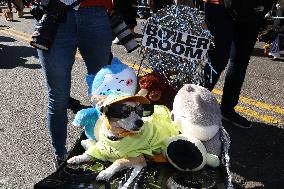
{"points": [[116, 97], [151, 140]]}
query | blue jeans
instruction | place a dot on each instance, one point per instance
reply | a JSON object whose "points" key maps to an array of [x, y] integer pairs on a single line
{"points": [[9, 2], [228, 33], [89, 30]]}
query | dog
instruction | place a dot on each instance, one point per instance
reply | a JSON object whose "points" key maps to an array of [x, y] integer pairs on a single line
{"points": [[125, 139], [8, 15]]}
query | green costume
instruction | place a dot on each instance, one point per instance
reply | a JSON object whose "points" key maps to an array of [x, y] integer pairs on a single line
{"points": [[151, 140]]}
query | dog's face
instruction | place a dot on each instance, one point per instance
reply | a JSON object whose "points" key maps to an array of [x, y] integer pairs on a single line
{"points": [[8, 15], [132, 122]]}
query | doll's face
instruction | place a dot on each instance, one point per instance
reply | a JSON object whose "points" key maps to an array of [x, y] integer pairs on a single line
{"points": [[124, 81]]}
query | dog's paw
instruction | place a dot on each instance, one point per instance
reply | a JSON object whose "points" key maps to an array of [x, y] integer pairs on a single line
{"points": [[88, 143], [105, 175], [80, 159]]}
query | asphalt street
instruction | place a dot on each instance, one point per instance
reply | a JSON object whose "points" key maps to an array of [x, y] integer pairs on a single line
{"points": [[257, 154]]}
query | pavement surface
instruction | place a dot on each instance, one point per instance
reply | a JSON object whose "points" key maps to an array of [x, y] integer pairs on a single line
{"points": [[257, 154]]}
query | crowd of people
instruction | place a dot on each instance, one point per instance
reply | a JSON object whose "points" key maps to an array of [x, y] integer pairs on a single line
{"points": [[272, 34], [88, 29]]}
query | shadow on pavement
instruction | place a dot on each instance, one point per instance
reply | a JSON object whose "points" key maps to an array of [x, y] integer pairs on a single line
{"points": [[6, 39], [257, 154], [75, 105], [15, 56], [28, 16], [258, 52]]}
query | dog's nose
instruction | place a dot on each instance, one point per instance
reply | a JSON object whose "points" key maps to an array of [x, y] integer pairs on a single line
{"points": [[139, 123]]}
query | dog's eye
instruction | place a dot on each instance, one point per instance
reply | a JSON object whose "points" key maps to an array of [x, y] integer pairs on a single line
{"points": [[124, 108]]}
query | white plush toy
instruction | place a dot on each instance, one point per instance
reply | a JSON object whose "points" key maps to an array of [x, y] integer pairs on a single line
{"points": [[197, 114]]}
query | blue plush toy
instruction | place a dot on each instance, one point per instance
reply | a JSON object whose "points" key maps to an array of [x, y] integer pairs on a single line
{"points": [[114, 77], [87, 118], [117, 77]]}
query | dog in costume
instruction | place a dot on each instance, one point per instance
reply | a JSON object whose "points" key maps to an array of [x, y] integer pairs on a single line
{"points": [[197, 114], [114, 77], [131, 130]]}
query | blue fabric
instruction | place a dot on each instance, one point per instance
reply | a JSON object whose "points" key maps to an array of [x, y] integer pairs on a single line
{"points": [[275, 45], [87, 118], [228, 33], [89, 30], [9, 3]]}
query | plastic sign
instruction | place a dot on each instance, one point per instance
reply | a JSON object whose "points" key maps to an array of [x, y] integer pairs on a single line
{"points": [[175, 42]]}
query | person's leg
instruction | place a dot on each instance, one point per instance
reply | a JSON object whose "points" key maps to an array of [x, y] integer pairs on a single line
{"points": [[125, 8], [9, 3], [244, 41], [216, 18], [16, 6], [19, 7], [94, 37], [57, 64]]}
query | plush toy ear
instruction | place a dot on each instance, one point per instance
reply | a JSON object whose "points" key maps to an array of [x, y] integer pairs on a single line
{"points": [[115, 60], [186, 153], [89, 81], [87, 118]]}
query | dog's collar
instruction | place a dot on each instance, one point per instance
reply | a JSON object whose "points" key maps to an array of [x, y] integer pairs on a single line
{"points": [[113, 138]]}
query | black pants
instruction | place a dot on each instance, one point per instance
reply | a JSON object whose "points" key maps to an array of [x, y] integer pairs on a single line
{"points": [[158, 4], [233, 40], [128, 12]]}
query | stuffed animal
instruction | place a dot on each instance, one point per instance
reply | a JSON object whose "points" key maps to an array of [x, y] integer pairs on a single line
{"points": [[111, 78], [154, 87], [87, 118], [197, 114], [116, 77]]}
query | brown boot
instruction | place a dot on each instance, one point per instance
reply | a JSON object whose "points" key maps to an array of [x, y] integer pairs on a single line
{"points": [[20, 14]]}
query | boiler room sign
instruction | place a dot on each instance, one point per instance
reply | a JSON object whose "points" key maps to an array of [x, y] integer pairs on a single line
{"points": [[174, 42]]}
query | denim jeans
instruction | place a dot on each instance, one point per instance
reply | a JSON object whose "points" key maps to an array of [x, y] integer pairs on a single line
{"points": [[89, 30], [9, 3], [240, 35]]}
